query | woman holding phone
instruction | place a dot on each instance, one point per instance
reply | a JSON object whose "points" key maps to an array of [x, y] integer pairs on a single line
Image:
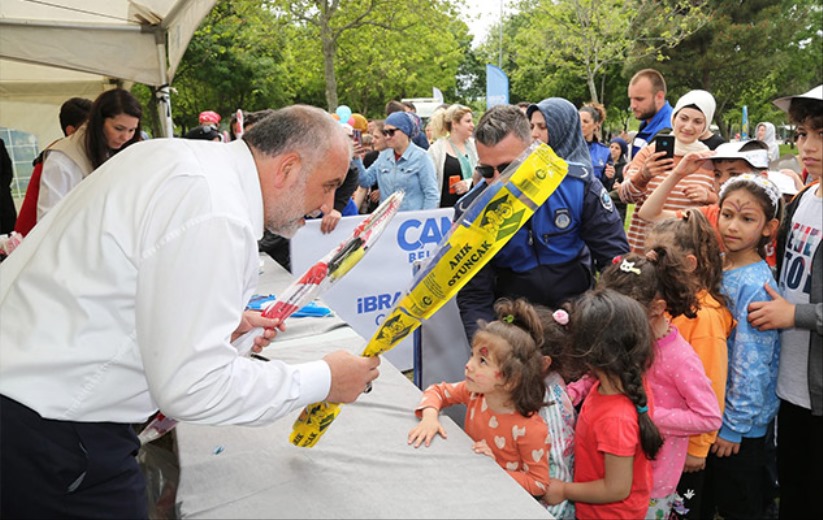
{"points": [[690, 118]]}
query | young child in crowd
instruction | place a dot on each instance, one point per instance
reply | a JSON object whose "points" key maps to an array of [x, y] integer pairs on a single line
{"points": [[685, 403], [609, 335], [798, 313], [558, 410], [728, 160], [692, 238], [503, 393], [750, 211]]}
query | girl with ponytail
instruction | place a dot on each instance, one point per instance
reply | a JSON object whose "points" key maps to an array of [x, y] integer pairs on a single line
{"points": [[685, 402]]}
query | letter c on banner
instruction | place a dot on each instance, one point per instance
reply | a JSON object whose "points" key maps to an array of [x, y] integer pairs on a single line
{"points": [[403, 231]]}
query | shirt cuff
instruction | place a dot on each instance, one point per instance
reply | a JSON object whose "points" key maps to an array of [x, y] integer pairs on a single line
{"points": [[727, 434], [315, 381]]}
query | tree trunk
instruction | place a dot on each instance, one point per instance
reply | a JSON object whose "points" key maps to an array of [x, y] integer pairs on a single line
{"points": [[592, 87], [329, 52]]}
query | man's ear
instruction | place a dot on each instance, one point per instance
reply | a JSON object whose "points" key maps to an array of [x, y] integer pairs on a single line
{"points": [[287, 169]]}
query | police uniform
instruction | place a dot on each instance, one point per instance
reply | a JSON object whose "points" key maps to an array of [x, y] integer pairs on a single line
{"points": [[550, 259]]}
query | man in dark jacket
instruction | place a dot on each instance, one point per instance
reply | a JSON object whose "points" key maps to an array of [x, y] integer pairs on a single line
{"points": [[550, 259]]}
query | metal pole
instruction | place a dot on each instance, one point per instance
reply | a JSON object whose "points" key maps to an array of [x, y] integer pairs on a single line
{"points": [[500, 58]]}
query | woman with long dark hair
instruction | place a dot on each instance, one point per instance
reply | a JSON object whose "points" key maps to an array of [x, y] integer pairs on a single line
{"points": [[113, 124]]}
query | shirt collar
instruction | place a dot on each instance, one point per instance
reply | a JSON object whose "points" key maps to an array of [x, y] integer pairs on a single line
{"points": [[249, 183]]}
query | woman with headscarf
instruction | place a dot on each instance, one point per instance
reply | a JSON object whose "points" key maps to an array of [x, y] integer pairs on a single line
{"points": [[453, 152], [649, 167], [765, 132], [402, 166], [618, 149]]}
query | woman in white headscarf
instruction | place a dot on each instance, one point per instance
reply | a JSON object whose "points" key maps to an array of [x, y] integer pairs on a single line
{"points": [[690, 118], [765, 132]]}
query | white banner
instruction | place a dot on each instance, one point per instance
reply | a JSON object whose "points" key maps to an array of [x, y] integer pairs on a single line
{"points": [[366, 294]]}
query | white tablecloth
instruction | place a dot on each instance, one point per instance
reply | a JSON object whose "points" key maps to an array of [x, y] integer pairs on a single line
{"points": [[361, 468]]}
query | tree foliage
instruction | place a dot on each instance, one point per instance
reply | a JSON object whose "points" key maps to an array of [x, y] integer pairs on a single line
{"points": [[743, 57]]}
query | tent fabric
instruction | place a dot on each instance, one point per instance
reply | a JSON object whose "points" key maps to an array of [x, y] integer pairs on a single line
{"points": [[51, 51]]}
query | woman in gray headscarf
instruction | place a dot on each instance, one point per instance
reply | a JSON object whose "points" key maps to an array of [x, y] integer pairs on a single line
{"points": [[765, 132], [555, 121]]}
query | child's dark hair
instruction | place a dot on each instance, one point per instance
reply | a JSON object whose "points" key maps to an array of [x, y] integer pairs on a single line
{"points": [[556, 336], [693, 234], [659, 274], [521, 364], [767, 194], [612, 335], [803, 111]]}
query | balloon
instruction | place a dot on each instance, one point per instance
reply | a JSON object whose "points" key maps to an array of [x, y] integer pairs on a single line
{"points": [[335, 117], [343, 112], [351, 121], [360, 122]]}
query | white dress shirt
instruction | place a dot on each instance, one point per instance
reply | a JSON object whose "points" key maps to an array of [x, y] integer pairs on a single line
{"points": [[124, 297]]}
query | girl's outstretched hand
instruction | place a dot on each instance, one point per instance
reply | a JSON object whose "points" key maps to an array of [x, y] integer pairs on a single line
{"points": [[428, 427], [482, 448]]}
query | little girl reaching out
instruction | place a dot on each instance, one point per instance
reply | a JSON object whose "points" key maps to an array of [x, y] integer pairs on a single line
{"points": [[503, 391], [615, 437]]}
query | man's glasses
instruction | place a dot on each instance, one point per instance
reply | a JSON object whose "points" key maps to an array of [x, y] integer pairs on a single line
{"points": [[488, 171], [389, 132]]}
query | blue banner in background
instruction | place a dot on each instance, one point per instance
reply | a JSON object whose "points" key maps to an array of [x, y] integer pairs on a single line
{"points": [[497, 87], [744, 132]]}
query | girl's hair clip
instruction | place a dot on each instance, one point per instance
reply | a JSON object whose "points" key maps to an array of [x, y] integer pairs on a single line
{"points": [[616, 260], [508, 318], [561, 317], [642, 409], [628, 267]]}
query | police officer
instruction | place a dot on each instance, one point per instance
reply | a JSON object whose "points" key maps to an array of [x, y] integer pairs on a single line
{"points": [[552, 258]]}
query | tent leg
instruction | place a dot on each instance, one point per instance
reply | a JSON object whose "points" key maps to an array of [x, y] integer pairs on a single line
{"points": [[161, 94]]}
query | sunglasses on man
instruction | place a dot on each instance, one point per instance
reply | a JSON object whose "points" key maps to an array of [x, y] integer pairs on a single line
{"points": [[488, 171]]}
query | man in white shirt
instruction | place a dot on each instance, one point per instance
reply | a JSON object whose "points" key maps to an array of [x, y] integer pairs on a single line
{"points": [[126, 296]]}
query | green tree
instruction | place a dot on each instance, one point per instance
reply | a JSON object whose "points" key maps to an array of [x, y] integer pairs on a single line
{"points": [[392, 53], [743, 57], [238, 58], [585, 39]]}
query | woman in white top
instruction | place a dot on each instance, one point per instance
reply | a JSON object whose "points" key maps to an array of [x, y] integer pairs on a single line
{"points": [[113, 124], [453, 153], [766, 132]]}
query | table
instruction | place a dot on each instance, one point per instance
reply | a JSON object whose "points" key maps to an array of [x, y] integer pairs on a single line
{"points": [[362, 468]]}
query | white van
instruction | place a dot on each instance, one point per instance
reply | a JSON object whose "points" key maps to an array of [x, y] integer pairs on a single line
{"points": [[425, 107]]}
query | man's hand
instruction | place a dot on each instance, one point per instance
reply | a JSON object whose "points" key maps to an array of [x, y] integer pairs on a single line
{"points": [[349, 375], [776, 314], [254, 319], [330, 221]]}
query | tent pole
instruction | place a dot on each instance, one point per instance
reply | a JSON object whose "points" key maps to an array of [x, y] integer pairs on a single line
{"points": [[162, 91]]}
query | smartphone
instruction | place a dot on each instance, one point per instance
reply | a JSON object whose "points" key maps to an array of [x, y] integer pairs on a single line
{"points": [[665, 143], [357, 135]]}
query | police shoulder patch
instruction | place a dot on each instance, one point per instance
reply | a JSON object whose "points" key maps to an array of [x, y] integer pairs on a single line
{"points": [[606, 200]]}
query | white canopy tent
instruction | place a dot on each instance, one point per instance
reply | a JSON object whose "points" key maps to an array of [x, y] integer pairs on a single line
{"points": [[51, 50]]}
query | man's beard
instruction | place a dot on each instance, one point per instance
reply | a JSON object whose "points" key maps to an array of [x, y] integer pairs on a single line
{"points": [[648, 114], [286, 219]]}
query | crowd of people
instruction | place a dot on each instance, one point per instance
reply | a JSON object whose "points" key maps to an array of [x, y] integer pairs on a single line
{"points": [[648, 345]]}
